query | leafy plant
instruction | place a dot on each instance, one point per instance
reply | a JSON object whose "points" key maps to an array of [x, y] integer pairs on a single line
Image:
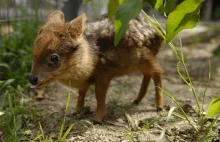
{"points": [[183, 17], [213, 107], [14, 115], [61, 136], [124, 13], [15, 58], [15, 64]]}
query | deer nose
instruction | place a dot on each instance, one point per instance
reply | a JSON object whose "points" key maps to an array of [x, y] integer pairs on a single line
{"points": [[33, 79]]}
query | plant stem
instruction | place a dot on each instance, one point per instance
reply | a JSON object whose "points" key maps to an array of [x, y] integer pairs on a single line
{"points": [[184, 114], [203, 98], [162, 33], [216, 119]]}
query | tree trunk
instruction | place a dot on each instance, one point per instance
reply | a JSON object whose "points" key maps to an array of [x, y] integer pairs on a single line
{"points": [[207, 11], [71, 8]]}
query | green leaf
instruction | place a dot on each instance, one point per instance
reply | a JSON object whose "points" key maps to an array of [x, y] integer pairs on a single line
{"points": [[185, 16], [8, 82], [214, 107], [18, 123], [27, 132], [179, 115], [169, 5], [125, 12], [162, 5], [86, 1], [170, 113], [181, 76], [64, 120], [148, 125], [67, 132], [156, 4], [68, 101], [61, 130], [2, 102], [112, 7], [2, 113], [5, 65], [206, 138]]}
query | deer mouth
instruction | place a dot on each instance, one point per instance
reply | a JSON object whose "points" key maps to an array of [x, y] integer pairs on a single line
{"points": [[40, 84], [33, 86], [37, 86]]}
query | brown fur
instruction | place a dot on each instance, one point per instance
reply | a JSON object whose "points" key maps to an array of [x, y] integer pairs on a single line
{"points": [[87, 56]]}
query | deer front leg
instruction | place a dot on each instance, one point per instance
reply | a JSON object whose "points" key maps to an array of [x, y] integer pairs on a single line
{"points": [[80, 102], [101, 90]]}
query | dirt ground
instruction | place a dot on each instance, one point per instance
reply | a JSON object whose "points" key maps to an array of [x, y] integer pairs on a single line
{"points": [[136, 127]]}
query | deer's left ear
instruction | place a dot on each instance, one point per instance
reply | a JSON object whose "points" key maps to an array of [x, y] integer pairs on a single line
{"points": [[56, 17], [77, 26]]}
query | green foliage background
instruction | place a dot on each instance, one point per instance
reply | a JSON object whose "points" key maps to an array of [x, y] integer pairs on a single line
{"points": [[15, 65], [15, 55]]}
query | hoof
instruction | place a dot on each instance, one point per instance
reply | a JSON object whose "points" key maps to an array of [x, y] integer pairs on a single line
{"points": [[83, 110], [159, 109], [135, 102], [95, 122]]}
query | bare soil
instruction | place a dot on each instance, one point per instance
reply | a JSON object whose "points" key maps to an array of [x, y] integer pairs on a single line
{"points": [[136, 126]]}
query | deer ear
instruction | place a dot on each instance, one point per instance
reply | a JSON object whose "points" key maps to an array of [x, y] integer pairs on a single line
{"points": [[77, 26], [56, 17]]}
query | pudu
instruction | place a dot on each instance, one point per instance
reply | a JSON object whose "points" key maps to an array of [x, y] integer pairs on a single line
{"points": [[79, 54]]}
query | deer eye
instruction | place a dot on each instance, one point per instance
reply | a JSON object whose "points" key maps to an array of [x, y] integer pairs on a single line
{"points": [[54, 58]]}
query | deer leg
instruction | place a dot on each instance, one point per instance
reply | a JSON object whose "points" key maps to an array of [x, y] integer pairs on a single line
{"points": [[80, 101], [143, 90]]}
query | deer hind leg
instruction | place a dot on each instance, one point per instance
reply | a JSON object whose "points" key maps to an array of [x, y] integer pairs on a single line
{"points": [[157, 77], [152, 71], [143, 90]]}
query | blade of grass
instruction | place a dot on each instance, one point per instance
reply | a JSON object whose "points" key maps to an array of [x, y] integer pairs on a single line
{"points": [[153, 24], [68, 102], [170, 113], [67, 132], [146, 127], [38, 137], [162, 135], [88, 123], [181, 56], [190, 81], [212, 124], [203, 98], [41, 131], [64, 118], [159, 31], [181, 76], [206, 138], [178, 105], [179, 115], [181, 60], [131, 122], [61, 131]]}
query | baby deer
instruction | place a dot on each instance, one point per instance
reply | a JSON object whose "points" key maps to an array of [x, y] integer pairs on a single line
{"points": [[79, 54]]}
